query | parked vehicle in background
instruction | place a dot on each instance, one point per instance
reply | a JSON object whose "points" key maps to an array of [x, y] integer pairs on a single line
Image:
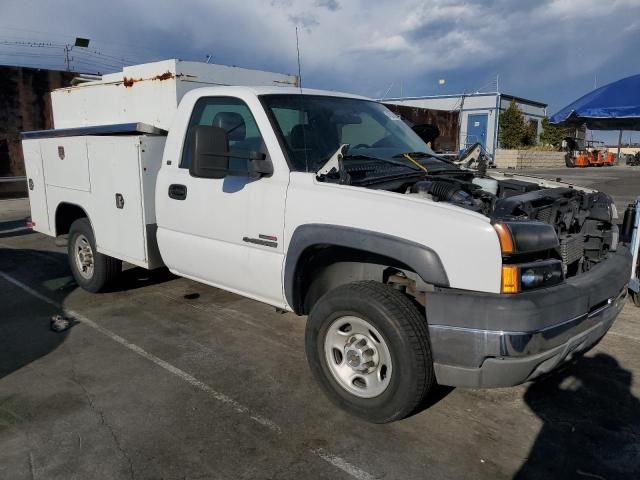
{"points": [[633, 160], [411, 269]]}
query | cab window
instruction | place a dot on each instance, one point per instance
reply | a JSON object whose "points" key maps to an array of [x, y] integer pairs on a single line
{"points": [[232, 115]]}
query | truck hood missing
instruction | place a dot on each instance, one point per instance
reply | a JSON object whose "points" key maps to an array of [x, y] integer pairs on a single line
{"points": [[584, 219]]}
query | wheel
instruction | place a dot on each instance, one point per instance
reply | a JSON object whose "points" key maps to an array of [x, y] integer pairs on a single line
{"points": [[635, 298], [91, 270], [368, 346], [569, 160]]}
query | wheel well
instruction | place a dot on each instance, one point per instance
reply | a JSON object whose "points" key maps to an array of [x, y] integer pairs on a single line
{"points": [[321, 268], [66, 214]]}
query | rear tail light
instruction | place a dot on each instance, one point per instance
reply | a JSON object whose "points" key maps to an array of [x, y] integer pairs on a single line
{"points": [[30, 224]]}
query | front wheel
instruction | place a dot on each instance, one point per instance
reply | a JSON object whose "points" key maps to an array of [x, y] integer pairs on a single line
{"points": [[367, 345], [92, 270]]}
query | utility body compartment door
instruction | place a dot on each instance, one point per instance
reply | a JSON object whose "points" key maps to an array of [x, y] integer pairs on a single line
{"points": [[111, 178], [65, 163], [36, 185], [116, 192]]}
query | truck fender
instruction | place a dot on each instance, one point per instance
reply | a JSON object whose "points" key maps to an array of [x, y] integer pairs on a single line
{"points": [[421, 259]]}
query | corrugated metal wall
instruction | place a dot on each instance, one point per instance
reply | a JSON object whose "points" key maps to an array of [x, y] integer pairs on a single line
{"points": [[25, 104], [447, 123]]}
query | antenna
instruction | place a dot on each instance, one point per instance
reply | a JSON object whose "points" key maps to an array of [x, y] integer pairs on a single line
{"points": [[387, 90], [301, 111], [299, 67], [67, 60]]}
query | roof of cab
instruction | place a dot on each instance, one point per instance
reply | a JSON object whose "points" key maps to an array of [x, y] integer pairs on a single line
{"points": [[276, 90]]}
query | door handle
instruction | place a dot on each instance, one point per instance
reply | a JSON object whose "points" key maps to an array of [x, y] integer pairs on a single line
{"points": [[177, 191]]}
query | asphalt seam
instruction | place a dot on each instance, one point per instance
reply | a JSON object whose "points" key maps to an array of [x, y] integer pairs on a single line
{"points": [[326, 456]]}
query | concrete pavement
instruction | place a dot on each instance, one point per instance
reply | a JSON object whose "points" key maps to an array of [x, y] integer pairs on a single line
{"points": [[165, 378]]}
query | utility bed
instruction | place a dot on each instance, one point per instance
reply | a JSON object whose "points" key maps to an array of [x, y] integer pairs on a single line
{"points": [[106, 149], [109, 170]]}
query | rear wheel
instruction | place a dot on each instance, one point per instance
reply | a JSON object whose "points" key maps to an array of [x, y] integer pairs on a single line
{"points": [[92, 270], [367, 345]]}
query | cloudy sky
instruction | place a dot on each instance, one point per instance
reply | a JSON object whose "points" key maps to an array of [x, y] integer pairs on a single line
{"points": [[547, 50]]}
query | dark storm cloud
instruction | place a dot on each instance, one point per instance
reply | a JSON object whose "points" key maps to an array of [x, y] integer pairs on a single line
{"points": [[549, 50]]}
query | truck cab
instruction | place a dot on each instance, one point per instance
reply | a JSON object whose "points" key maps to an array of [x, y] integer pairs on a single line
{"points": [[411, 270]]}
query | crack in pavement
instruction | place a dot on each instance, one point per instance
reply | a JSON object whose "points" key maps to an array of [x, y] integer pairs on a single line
{"points": [[98, 412]]}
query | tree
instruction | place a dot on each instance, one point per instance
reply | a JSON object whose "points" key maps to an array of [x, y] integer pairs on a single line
{"points": [[513, 129], [551, 134], [530, 133]]}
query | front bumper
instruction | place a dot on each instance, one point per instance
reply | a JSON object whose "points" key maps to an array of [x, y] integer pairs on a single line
{"points": [[491, 340]]}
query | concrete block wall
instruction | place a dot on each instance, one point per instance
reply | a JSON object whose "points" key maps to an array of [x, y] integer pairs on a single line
{"points": [[520, 159]]}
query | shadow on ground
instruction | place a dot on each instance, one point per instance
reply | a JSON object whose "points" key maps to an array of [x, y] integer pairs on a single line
{"points": [[25, 333], [14, 228], [591, 426], [138, 277]]}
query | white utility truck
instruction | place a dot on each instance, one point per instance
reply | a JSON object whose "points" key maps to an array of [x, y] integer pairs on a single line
{"points": [[411, 269]]}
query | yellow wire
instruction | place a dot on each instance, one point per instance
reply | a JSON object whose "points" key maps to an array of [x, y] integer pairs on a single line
{"points": [[419, 165]]}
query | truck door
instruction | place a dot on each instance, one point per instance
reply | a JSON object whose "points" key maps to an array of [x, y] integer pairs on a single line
{"points": [[224, 232]]}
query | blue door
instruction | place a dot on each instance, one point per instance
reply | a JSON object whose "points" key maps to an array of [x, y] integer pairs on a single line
{"points": [[477, 129]]}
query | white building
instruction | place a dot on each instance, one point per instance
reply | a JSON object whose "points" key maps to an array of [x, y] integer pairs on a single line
{"points": [[479, 114]]}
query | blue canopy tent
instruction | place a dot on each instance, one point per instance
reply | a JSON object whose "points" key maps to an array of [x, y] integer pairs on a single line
{"points": [[615, 106]]}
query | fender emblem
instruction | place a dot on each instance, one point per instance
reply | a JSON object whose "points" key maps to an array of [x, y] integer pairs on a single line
{"points": [[61, 152]]}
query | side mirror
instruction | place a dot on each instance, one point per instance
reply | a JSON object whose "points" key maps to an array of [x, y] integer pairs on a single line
{"points": [[259, 165], [210, 152]]}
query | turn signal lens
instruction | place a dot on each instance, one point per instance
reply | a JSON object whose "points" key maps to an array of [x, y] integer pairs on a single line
{"points": [[510, 279], [506, 240]]}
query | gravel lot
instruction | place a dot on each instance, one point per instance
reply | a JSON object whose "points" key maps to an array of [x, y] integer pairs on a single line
{"points": [[169, 379]]}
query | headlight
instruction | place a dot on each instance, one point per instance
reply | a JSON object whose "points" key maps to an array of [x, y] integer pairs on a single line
{"points": [[529, 276], [525, 237]]}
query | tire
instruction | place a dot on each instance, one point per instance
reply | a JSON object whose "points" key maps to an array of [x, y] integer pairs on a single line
{"points": [[91, 270], [635, 298], [400, 372], [569, 160]]}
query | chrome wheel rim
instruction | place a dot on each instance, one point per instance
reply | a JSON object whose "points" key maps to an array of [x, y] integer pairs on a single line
{"points": [[83, 256], [358, 357]]}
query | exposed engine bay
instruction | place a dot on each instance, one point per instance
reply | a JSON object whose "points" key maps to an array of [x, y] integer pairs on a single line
{"points": [[582, 220]]}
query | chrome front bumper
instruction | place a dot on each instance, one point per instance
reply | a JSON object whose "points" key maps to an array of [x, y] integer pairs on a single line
{"points": [[510, 358], [492, 340]]}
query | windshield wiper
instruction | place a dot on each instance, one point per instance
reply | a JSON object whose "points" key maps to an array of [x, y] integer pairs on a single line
{"points": [[360, 156], [334, 167], [423, 155], [413, 154]]}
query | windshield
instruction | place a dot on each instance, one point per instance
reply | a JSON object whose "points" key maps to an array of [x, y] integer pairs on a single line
{"points": [[313, 127]]}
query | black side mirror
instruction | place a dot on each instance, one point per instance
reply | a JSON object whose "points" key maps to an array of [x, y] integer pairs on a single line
{"points": [[210, 152]]}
